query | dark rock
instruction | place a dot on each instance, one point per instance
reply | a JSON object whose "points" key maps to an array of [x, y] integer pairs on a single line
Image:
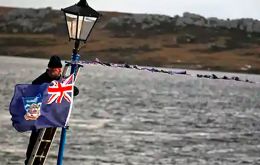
{"points": [[214, 76], [225, 78], [199, 75], [236, 78], [135, 67], [206, 76], [107, 64], [164, 71], [127, 66]]}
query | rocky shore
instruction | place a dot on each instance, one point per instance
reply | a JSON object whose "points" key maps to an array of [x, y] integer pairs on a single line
{"points": [[45, 20]]}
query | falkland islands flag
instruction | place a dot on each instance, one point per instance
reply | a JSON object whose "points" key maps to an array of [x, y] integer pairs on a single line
{"points": [[42, 106]]}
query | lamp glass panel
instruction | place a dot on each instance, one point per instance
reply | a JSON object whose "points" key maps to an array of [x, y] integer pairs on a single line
{"points": [[72, 25], [85, 26]]}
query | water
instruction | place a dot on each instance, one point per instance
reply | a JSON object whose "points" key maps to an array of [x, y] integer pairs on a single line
{"points": [[132, 117]]}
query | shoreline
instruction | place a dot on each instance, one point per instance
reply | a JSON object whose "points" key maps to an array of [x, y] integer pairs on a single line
{"points": [[159, 67]]}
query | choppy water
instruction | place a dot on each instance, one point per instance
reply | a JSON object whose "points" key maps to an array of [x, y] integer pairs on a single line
{"points": [[134, 117]]}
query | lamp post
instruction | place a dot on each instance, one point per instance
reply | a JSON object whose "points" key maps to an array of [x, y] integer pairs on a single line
{"points": [[80, 20]]}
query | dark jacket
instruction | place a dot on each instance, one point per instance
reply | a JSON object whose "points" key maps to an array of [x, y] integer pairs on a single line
{"points": [[45, 78]]}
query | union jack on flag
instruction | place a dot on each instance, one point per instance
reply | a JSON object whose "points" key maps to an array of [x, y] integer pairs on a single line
{"points": [[59, 90]]}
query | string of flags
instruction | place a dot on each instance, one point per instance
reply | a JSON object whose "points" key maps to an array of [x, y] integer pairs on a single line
{"points": [[156, 70]]}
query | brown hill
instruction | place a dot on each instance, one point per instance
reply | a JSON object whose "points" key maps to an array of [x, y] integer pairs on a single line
{"points": [[190, 41]]}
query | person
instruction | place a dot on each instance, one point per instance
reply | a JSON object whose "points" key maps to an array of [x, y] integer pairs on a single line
{"points": [[53, 72]]}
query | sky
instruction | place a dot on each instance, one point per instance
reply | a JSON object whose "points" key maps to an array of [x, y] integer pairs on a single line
{"points": [[208, 8]]}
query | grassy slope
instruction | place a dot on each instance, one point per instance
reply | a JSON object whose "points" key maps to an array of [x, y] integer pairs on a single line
{"points": [[240, 49]]}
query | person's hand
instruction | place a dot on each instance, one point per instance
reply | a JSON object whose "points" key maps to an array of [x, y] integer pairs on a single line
{"points": [[76, 91]]}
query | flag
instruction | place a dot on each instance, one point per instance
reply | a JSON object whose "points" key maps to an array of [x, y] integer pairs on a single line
{"points": [[42, 106]]}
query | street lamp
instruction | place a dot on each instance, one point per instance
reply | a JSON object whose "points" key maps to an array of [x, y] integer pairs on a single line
{"points": [[80, 20]]}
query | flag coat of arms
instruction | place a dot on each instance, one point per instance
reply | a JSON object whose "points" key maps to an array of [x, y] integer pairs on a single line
{"points": [[42, 106]]}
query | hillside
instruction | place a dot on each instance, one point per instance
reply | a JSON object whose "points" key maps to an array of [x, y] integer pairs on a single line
{"points": [[188, 41]]}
